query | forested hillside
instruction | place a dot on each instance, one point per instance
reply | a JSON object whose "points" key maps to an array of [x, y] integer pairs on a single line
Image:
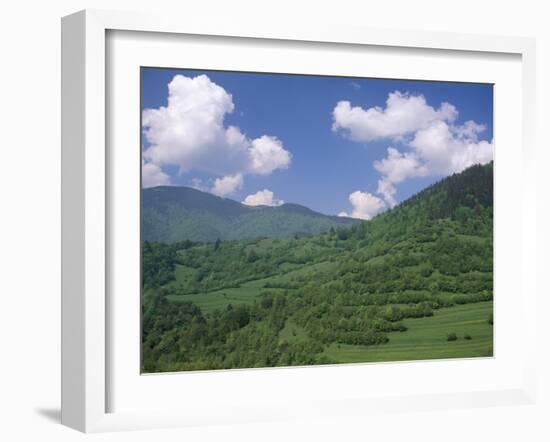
{"points": [[415, 282], [172, 214]]}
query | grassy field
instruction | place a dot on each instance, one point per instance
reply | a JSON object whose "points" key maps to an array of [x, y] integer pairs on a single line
{"points": [[219, 299], [245, 293], [426, 338], [183, 275]]}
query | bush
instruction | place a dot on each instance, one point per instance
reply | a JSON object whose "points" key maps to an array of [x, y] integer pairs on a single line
{"points": [[451, 337], [467, 337]]}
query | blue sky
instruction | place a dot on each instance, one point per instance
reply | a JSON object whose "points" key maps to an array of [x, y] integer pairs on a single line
{"points": [[324, 138]]}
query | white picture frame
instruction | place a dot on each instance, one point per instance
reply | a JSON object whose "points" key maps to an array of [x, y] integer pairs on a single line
{"points": [[87, 203]]}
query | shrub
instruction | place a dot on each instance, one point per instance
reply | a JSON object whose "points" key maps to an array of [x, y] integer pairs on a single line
{"points": [[451, 337], [467, 337]]}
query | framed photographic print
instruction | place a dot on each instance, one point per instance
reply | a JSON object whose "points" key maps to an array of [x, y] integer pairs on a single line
{"points": [[252, 213]]}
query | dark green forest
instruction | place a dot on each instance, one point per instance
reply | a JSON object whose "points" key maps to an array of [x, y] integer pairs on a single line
{"points": [[415, 282]]}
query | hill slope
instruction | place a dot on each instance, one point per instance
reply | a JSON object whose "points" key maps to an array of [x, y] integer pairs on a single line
{"points": [[171, 214], [415, 282]]}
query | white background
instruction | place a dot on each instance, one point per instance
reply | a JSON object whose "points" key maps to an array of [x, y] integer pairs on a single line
{"points": [[30, 219], [254, 390]]}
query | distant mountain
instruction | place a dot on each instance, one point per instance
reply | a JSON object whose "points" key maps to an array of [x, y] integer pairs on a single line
{"points": [[171, 214]]}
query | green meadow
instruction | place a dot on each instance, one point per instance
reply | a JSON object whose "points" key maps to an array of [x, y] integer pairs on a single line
{"points": [[426, 338]]}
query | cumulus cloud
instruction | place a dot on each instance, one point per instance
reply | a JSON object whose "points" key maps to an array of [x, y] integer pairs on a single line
{"points": [[262, 198], [439, 149], [395, 168], [447, 149], [403, 114], [266, 155], [387, 190], [433, 143], [398, 166], [189, 132], [227, 185], [365, 205], [469, 130], [152, 175], [199, 184]]}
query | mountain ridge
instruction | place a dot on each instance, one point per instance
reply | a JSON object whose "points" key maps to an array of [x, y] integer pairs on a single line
{"points": [[175, 213]]}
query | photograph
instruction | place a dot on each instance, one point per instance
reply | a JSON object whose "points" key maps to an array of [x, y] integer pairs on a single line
{"points": [[304, 220], [275, 221]]}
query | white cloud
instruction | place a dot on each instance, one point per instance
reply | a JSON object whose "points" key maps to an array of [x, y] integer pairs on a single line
{"points": [[446, 149], [469, 130], [199, 184], [152, 175], [398, 166], [262, 198], [436, 145], [387, 190], [190, 133], [395, 168], [365, 205], [403, 114], [227, 185], [267, 154], [440, 149]]}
